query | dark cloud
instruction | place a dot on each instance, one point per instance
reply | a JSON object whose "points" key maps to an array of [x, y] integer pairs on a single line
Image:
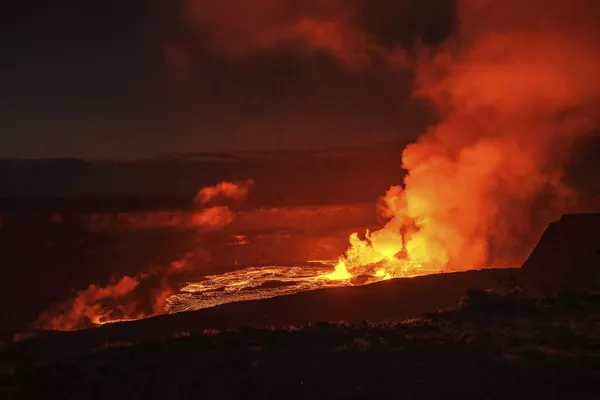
{"points": [[240, 27], [137, 78]]}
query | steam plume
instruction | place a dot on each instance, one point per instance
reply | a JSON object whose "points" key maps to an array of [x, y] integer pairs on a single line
{"points": [[514, 89]]}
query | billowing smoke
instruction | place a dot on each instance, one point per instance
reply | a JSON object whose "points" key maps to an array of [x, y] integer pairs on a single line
{"points": [[87, 306], [515, 88], [219, 203], [145, 294], [224, 193]]}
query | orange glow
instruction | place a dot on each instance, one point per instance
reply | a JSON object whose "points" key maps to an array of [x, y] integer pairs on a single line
{"points": [[224, 191], [340, 273], [87, 306], [121, 301], [513, 94], [382, 255], [513, 91]]}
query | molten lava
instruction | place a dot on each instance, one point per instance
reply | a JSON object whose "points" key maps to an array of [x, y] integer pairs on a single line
{"points": [[379, 255]]}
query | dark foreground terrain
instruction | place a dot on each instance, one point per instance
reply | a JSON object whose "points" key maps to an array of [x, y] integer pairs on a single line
{"points": [[490, 346]]}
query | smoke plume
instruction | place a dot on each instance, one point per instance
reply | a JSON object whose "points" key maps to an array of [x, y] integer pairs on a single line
{"points": [[144, 295], [514, 89]]}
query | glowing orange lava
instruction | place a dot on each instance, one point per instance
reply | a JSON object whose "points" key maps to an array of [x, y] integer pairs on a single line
{"points": [[514, 90]]}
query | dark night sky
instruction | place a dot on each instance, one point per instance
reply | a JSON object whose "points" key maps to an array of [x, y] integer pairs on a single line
{"points": [[137, 78]]}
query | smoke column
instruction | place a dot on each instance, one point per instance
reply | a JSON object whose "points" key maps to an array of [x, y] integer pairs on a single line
{"points": [[514, 89]]}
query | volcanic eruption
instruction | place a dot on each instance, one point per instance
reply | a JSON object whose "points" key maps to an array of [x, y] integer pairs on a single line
{"points": [[514, 89], [482, 183]]}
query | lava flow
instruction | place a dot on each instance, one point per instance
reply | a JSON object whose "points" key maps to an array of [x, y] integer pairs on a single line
{"points": [[261, 282], [250, 283]]}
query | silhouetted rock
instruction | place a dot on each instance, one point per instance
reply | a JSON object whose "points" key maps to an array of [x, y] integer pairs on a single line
{"points": [[567, 256]]}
